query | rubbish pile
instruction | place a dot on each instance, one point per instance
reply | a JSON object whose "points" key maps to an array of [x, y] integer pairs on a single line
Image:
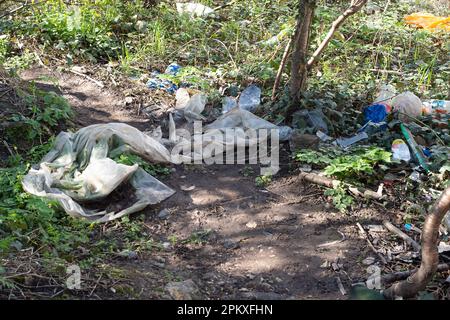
{"points": [[157, 80], [80, 169], [416, 132]]}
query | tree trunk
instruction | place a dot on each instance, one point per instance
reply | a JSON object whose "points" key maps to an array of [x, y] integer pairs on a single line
{"points": [[430, 256], [300, 48]]}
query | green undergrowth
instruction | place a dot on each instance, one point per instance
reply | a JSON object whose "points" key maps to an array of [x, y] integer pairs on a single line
{"points": [[361, 167]]}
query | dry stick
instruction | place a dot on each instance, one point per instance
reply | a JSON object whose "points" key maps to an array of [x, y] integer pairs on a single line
{"points": [[401, 234], [224, 5], [26, 4], [341, 286], [331, 183], [386, 71], [355, 6], [382, 258], [280, 68], [332, 243], [8, 148], [430, 255]]}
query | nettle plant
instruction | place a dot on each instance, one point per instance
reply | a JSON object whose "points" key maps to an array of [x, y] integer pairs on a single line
{"points": [[359, 166]]}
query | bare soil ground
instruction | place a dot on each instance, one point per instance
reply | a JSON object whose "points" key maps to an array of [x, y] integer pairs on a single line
{"points": [[251, 243]]}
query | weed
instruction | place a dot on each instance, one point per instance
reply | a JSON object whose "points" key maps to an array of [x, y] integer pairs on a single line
{"points": [[263, 181], [153, 169]]}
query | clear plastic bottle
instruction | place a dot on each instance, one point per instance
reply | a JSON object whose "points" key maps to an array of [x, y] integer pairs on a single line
{"points": [[436, 106]]}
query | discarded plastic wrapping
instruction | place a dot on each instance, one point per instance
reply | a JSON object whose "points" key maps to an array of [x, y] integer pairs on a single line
{"points": [[80, 168]]}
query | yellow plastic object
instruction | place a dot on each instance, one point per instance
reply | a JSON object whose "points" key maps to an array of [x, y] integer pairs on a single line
{"points": [[428, 21]]}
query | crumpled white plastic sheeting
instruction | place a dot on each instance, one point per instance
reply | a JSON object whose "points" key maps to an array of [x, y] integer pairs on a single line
{"points": [[79, 169]]}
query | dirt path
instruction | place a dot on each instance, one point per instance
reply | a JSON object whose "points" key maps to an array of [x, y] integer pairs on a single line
{"points": [[233, 239]]}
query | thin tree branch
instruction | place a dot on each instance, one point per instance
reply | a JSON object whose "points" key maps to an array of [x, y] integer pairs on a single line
{"points": [[355, 6], [280, 68], [401, 234]]}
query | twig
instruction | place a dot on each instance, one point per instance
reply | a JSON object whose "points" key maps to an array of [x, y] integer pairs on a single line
{"points": [[332, 243], [96, 284], [382, 258], [386, 71], [401, 234], [8, 147], [341, 286], [98, 83], [280, 68]]}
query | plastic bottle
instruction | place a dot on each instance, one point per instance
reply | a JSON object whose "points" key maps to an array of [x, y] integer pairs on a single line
{"points": [[400, 150], [408, 105], [436, 106]]}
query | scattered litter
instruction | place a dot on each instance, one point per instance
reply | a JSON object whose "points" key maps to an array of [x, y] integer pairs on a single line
{"points": [[385, 94], [166, 245], [173, 69], [313, 118], [163, 214], [347, 142], [437, 106], [323, 137], [376, 112], [194, 107], [284, 133], [250, 98], [251, 225], [376, 228], [400, 150], [408, 105], [443, 247], [80, 168], [228, 103], [414, 176], [182, 98]]}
